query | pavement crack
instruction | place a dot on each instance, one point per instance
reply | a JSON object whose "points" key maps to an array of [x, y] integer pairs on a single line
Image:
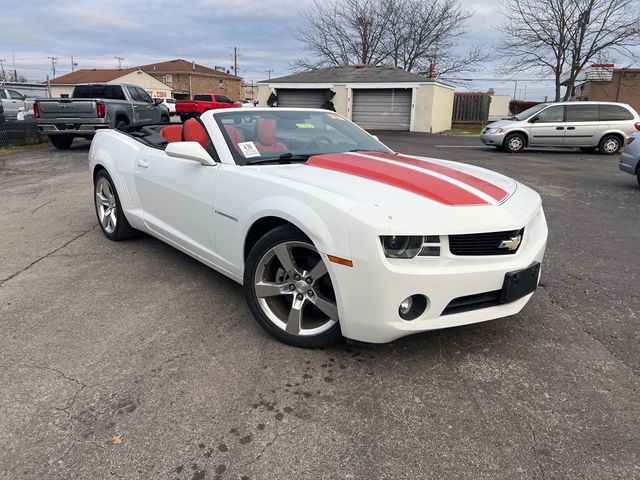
{"points": [[13, 275], [534, 448], [268, 445], [40, 206]]}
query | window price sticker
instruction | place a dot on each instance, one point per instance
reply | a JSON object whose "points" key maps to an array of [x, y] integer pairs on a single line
{"points": [[248, 149]]}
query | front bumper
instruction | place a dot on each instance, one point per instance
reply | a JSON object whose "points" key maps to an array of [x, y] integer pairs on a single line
{"points": [[370, 292], [494, 140], [629, 163]]}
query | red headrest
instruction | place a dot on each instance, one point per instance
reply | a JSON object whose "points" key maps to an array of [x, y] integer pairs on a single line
{"points": [[234, 134], [193, 131], [172, 133], [266, 130]]}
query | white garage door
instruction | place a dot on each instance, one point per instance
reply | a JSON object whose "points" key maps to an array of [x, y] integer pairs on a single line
{"points": [[382, 109], [301, 98]]}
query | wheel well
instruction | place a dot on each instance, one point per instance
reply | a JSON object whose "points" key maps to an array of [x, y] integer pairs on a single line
{"points": [[524, 134], [96, 169], [259, 229], [121, 117], [614, 134]]}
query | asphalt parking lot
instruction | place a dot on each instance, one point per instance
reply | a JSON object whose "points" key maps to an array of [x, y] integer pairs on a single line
{"points": [[136, 344]]}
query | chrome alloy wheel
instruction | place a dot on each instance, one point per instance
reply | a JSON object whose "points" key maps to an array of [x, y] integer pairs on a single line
{"points": [[611, 145], [515, 143], [106, 205], [294, 290]]}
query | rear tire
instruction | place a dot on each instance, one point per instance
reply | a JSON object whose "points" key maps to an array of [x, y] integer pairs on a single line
{"points": [[610, 145], [109, 211], [514, 143], [61, 142]]}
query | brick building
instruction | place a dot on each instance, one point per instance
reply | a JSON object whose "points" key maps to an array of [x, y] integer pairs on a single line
{"points": [[617, 85], [189, 78]]}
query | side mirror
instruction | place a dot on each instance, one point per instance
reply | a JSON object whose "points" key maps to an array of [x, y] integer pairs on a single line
{"points": [[534, 119], [157, 101], [190, 151]]}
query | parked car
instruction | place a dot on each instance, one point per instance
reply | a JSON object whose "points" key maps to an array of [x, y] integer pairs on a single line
{"points": [[630, 158], [203, 102], [93, 107], [246, 103], [331, 233], [12, 102], [588, 125], [170, 103]]}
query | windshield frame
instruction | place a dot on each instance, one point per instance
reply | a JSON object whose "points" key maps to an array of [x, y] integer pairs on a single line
{"points": [[531, 111], [240, 160]]}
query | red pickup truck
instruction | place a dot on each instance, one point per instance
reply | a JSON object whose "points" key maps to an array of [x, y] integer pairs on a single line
{"points": [[201, 103]]}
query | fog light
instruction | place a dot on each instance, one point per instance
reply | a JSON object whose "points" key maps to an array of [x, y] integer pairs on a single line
{"points": [[406, 305], [412, 307]]}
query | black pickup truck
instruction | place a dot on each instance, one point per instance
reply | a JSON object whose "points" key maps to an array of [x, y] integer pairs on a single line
{"points": [[93, 107]]}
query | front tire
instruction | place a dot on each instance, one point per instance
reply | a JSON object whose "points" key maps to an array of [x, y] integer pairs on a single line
{"points": [[289, 291], [61, 142], [610, 145], [109, 211], [514, 143]]}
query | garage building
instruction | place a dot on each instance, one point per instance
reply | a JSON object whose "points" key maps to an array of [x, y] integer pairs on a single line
{"points": [[376, 98]]}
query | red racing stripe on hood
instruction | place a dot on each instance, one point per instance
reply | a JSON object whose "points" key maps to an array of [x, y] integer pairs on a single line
{"points": [[397, 176], [485, 187]]}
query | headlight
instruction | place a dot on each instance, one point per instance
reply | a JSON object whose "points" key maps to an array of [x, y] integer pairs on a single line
{"points": [[401, 246], [496, 130]]}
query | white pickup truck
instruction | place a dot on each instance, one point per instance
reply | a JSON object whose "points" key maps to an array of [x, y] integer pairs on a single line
{"points": [[93, 107]]}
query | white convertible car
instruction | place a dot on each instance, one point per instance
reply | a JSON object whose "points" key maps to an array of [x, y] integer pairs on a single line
{"points": [[331, 233]]}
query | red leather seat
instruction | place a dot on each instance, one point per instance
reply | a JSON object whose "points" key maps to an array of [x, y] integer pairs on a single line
{"points": [[172, 133], [266, 135], [234, 135], [193, 131]]}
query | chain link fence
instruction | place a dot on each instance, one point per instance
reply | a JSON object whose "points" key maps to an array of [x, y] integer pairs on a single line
{"points": [[21, 130]]}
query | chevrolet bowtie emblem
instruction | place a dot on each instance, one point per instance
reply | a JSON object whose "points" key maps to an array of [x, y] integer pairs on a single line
{"points": [[512, 244]]}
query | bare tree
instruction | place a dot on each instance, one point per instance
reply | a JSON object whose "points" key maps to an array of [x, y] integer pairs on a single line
{"points": [[408, 34], [557, 36]]}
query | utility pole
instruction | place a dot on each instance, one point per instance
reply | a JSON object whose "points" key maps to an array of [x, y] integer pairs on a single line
{"points": [[15, 72], [4, 76], [269, 72], [235, 61], [120, 59], [53, 65], [73, 64]]}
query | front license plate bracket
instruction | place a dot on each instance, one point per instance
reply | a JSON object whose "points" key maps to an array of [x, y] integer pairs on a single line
{"points": [[520, 283]]}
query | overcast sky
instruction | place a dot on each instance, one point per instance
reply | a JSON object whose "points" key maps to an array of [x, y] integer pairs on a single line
{"points": [[202, 30]]}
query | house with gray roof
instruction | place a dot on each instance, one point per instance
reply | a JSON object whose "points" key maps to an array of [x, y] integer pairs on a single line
{"points": [[374, 97]]}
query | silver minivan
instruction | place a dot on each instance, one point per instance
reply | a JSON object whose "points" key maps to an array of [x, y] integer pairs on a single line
{"points": [[587, 125]]}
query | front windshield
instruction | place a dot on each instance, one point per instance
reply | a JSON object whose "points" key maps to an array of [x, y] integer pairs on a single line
{"points": [[257, 136], [529, 111]]}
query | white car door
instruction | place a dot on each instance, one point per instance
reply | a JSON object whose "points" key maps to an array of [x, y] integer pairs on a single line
{"points": [[176, 197]]}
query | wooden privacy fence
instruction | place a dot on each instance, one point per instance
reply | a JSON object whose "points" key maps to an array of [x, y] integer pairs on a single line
{"points": [[471, 107]]}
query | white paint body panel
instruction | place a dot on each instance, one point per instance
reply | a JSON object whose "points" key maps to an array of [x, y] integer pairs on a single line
{"points": [[207, 211]]}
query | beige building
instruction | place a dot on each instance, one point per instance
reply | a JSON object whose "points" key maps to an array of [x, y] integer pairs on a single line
{"points": [[374, 97], [63, 86], [190, 78]]}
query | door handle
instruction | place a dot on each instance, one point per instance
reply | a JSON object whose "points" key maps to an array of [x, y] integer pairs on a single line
{"points": [[559, 128], [571, 128], [142, 163]]}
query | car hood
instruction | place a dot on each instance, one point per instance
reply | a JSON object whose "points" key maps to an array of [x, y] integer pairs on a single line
{"points": [[381, 186], [502, 123]]}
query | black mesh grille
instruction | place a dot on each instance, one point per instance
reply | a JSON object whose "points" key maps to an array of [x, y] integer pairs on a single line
{"points": [[483, 243]]}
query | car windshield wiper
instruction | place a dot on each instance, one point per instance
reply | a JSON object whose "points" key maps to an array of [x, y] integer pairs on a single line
{"points": [[285, 157], [367, 150]]}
